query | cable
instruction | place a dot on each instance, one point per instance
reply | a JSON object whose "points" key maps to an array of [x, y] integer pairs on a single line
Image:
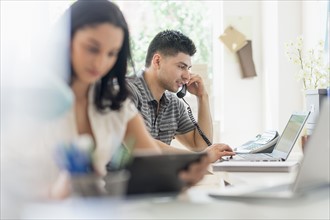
{"points": [[207, 141]]}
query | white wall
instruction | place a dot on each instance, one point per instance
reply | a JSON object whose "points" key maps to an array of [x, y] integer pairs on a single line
{"points": [[314, 21], [241, 99], [265, 102], [282, 86]]}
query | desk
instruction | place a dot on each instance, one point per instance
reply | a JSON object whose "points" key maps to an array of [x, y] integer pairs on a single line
{"points": [[192, 204], [311, 207]]}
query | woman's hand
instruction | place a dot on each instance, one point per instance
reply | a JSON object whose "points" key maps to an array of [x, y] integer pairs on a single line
{"points": [[61, 189], [195, 171]]}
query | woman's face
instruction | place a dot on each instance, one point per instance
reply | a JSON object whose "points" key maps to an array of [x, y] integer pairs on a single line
{"points": [[94, 51]]}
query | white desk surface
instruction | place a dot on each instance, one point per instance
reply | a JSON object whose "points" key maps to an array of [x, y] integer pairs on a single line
{"points": [[194, 203]]}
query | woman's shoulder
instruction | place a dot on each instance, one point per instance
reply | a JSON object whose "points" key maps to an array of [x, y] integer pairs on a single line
{"points": [[128, 106], [127, 110]]}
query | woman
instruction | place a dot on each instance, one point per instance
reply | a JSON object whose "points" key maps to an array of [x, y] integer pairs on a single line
{"points": [[99, 55]]}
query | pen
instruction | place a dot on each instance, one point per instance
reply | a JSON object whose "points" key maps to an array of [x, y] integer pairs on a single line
{"points": [[76, 156]]}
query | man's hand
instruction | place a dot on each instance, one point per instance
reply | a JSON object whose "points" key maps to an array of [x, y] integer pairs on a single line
{"points": [[216, 151], [195, 171], [195, 85]]}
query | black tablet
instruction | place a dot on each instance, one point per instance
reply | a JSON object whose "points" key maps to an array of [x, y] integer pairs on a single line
{"points": [[158, 173]]}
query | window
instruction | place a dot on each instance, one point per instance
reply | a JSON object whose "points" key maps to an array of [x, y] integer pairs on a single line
{"points": [[147, 18]]}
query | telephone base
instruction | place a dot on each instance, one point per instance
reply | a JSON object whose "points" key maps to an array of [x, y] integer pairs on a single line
{"points": [[267, 150]]}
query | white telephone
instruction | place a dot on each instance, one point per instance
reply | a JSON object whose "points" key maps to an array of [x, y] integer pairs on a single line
{"points": [[262, 143]]}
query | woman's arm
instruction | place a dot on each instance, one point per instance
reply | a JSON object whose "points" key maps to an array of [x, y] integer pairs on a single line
{"points": [[138, 135]]}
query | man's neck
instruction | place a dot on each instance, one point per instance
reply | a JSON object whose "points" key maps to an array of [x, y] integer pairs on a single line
{"points": [[152, 82]]}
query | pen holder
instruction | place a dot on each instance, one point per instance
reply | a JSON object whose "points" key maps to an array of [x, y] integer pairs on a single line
{"points": [[87, 185], [116, 182]]}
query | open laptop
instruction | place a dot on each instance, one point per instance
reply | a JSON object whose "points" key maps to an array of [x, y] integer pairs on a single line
{"points": [[314, 170], [285, 143]]}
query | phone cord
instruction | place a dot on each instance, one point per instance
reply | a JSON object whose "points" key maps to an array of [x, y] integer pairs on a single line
{"points": [[207, 141]]}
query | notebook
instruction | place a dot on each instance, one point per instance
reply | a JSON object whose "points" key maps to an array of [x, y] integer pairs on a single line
{"points": [[285, 143], [313, 174]]}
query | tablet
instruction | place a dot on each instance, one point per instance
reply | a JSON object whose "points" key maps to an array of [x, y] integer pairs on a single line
{"points": [[158, 173]]}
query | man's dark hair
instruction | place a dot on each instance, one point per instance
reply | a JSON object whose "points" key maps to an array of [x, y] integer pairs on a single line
{"points": [[111, 91], [170, 43]]}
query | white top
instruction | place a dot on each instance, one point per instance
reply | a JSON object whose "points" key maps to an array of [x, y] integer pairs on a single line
{"points": [[108, 129], [28, 151]]}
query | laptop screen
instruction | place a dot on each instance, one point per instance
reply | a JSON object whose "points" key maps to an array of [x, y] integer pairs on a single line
{"points": [[290, 134]]}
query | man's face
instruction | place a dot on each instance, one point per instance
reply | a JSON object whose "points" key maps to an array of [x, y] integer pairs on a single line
{"points": [[174, 71]]}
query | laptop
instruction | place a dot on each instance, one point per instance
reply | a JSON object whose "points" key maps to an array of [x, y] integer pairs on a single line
{"points": [[313, 174], [285, 143]]}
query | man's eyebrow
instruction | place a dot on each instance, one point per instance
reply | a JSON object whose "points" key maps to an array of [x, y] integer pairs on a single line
{"points": [[186, 65]]}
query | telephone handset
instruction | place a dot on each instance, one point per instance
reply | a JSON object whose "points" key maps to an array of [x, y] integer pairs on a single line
{"points": [[262, 143], [181, 94]]}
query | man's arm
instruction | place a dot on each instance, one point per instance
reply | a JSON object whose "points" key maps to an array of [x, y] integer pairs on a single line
{"points": [[215, 151], [169, 149], [193, 139]]}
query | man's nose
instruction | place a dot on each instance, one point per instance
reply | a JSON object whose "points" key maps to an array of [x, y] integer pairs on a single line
{"points": [[186, 76]]}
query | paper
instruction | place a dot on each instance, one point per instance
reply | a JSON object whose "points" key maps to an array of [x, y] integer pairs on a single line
{"points": [[246, 60], [233, 39]]}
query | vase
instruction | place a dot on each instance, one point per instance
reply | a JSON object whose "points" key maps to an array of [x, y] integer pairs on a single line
{"points": [[314, 99]]}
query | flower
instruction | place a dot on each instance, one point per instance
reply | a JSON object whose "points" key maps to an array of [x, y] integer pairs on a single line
{"points": [[314, 70]]}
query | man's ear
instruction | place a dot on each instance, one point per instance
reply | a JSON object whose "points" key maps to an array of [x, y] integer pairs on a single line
{"points": [[156, 60]]}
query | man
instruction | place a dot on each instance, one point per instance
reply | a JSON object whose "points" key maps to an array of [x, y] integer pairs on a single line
{"points": [[167, 68]]}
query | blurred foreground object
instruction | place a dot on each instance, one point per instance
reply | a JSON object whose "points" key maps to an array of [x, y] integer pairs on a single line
{"points": [[32, 94]]}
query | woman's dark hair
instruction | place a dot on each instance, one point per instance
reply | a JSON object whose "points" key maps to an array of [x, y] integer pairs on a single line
{"points": [[111, 91], [170, 43]]}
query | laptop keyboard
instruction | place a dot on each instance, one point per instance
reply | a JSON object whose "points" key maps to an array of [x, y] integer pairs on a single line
{"points": [[254, 157]]}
